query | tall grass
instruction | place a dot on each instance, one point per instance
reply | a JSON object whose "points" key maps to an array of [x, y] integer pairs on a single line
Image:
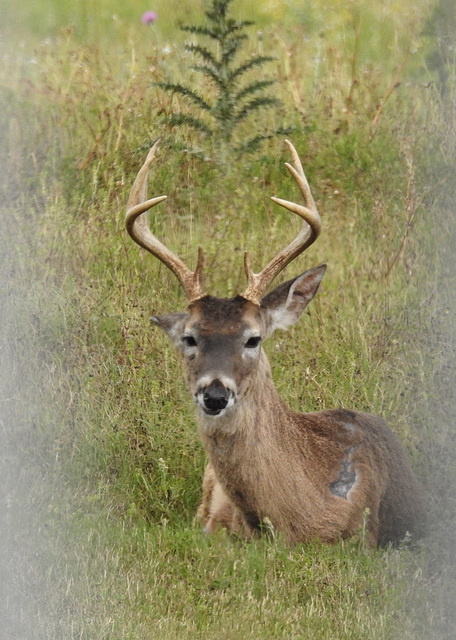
{"points": [[102, 462]]}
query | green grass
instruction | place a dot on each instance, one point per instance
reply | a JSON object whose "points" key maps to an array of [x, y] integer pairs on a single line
{"points": [[101, 461]]}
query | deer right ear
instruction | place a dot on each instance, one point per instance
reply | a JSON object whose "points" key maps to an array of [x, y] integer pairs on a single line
{"points": [[173, 324], [284, 305]]}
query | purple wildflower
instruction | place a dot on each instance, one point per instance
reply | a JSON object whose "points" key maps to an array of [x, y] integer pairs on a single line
{"points": [[149, 17]]}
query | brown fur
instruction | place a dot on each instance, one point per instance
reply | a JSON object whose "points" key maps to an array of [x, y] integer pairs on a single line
{"points": [[284, 476], [308, 475]]}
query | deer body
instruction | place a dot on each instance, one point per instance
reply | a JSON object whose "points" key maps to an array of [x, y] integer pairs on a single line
{"points": [[321, 489], [307, 475]]}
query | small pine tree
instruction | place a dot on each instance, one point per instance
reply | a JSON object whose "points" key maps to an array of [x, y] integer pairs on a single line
{"points": [[233, 101]]}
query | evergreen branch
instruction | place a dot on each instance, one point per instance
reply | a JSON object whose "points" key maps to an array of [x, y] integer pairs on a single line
{"points": [[231, 27], [253, 143], [203, 53], [180, 119], [238, 38], [230, 49], [201, 31], [219, 10], [255, 62], [253, 105], [237, 25], [216, 33], [210, 73], [186, 92], [252, 88]]}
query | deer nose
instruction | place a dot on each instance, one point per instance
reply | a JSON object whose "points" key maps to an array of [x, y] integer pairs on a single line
{"points": [[215, 398]]}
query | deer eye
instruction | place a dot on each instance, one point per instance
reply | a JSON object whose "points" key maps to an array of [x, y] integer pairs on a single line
{"points": [[189, 341], [253, 342]]}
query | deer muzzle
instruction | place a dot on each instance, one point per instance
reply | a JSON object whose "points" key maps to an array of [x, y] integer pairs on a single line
{"points": [[215, 398]]}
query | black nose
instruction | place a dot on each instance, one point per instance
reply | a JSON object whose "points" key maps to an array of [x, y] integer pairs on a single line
{"points": [[215, 398]]}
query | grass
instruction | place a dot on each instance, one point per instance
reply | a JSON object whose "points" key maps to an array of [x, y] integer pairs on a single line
{"points": [[101, 461]]}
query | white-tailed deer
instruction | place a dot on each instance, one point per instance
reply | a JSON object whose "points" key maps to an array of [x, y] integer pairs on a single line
{"points": [[309, 475]]}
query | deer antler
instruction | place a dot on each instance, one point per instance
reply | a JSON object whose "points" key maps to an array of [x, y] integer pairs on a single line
{"points": [[310, 230], [137, 227]]}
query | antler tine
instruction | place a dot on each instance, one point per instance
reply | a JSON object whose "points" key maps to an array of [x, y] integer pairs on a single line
{"points": [[310, 230], [138, 228]]}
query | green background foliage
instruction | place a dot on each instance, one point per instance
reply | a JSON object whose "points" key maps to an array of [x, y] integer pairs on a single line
{"points": [[101, 460], [233, 98]]}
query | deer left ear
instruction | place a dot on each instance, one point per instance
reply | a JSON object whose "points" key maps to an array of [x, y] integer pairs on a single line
{"points": [[172, 324], [284, 305]]}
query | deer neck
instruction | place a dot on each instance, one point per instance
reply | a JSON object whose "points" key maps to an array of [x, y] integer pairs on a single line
{"points": [[257, 414], [250, 446], [240, 443]]}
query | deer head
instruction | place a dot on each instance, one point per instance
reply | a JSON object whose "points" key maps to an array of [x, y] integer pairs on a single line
{"points": [[221, 338]]}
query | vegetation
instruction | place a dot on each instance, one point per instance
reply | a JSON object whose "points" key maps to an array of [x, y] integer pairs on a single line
{"points": [[101, 461], [234, 101]]}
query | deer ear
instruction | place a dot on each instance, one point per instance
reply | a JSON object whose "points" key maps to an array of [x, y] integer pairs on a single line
{"points": [[284, 305], [172, 324]]}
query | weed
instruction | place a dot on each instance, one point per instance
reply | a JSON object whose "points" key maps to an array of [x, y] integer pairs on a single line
{"points": [[232, 101]]}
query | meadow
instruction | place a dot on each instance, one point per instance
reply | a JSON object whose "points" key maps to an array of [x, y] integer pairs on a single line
{"points": [[101, 459]]}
